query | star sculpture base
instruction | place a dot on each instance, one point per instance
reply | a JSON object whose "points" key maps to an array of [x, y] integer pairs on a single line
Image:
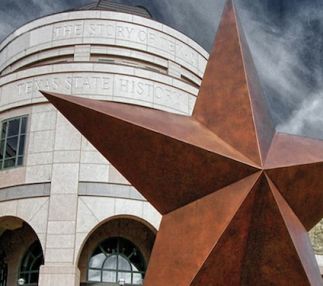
{"points": [[237, 198]]}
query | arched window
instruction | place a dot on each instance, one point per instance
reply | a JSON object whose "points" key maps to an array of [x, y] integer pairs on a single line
{"points": [[117, 259], [31, 262]]}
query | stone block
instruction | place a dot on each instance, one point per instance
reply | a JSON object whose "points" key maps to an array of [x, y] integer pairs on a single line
{"points": [[86, 220], [59, 256], [12, 177], [65, 179], [41, 121], [67, 137], [41, 141], [129, 207], [151, 215], [174, 69], [63, 207], [8, 208], [61, 227], [116, 177], [44, 158], [29, 208], [101, 208], [66, 157], [94, 172], [24, 191], [38, 173], [60, 241], [92, 157]]}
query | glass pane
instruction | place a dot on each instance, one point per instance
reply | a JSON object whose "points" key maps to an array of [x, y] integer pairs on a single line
{"points": [[109, 276], [1, 149], [123, 264], [33, 277], [26, 262], [3, 273], [13, 127], [29, 268], [125, 276], [120, 258], [20, 161], [96, 261], [9, 163], [3, 132], [134, 268], [111, 262], [22, 144], [137, 278], [37, 263], [23, 125], [94, 275], [11, 147], [137, 262]]}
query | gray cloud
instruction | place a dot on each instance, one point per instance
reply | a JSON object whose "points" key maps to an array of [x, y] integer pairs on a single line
{"points": [[289, 56], [15, 13]]}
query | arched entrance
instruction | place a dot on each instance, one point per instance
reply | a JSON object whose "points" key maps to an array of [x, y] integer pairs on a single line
{"points": [[117, 259], [21, 253], [117, 253]]}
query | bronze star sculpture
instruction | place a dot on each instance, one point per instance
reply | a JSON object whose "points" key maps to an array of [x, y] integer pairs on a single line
{"points": [[237, 198]]}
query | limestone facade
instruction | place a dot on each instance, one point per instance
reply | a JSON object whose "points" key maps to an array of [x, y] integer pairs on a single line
{"points": [[65, 191]]}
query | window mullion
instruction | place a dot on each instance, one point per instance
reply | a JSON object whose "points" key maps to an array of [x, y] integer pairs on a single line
{"points": [[18, 142], [117, 272], [5, 145]]}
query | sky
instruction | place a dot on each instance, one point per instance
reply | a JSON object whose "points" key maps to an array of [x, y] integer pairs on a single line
{"points": [[285, 38]]}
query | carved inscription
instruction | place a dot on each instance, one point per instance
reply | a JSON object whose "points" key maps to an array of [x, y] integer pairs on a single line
{"points": [[127, 32], [68, 31], [68, 84], [115, 86]]}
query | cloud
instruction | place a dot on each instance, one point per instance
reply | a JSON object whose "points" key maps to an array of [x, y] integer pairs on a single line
{"points": [[288, 55], [197, 20], [15, 13]]}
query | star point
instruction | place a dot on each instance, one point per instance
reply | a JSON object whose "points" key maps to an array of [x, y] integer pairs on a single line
{"points": [[236, 197]]}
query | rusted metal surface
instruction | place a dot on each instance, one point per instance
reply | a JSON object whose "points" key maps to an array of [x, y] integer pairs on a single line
{"points": [[160, 158], [203, 222], [231, 86], [234, 195]]}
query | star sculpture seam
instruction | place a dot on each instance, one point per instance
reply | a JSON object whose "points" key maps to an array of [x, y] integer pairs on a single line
{"points": [[236, 196]]}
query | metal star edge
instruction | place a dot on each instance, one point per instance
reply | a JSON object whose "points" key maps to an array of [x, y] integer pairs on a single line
{"points": [[237, 198]]}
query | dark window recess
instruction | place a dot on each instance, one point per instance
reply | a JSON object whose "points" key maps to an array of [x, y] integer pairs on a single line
{"points": [[3, 269], [114, 260], [29, 268], [12, 142]]}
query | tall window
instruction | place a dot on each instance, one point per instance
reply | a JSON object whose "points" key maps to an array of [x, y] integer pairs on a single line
{"points": [[117, 259], [31, 262], [3, 272], [12, 142]]}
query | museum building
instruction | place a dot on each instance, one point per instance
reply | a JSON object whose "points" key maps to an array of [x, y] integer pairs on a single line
{"points": [[67, 216]]}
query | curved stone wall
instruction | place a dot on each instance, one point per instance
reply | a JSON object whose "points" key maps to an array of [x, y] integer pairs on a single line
{"points": [[98, 81], [65, 186], [101, 28]]}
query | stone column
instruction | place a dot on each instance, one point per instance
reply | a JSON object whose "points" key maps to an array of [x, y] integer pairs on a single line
{"points": [[60, 268], [59, 275]]}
